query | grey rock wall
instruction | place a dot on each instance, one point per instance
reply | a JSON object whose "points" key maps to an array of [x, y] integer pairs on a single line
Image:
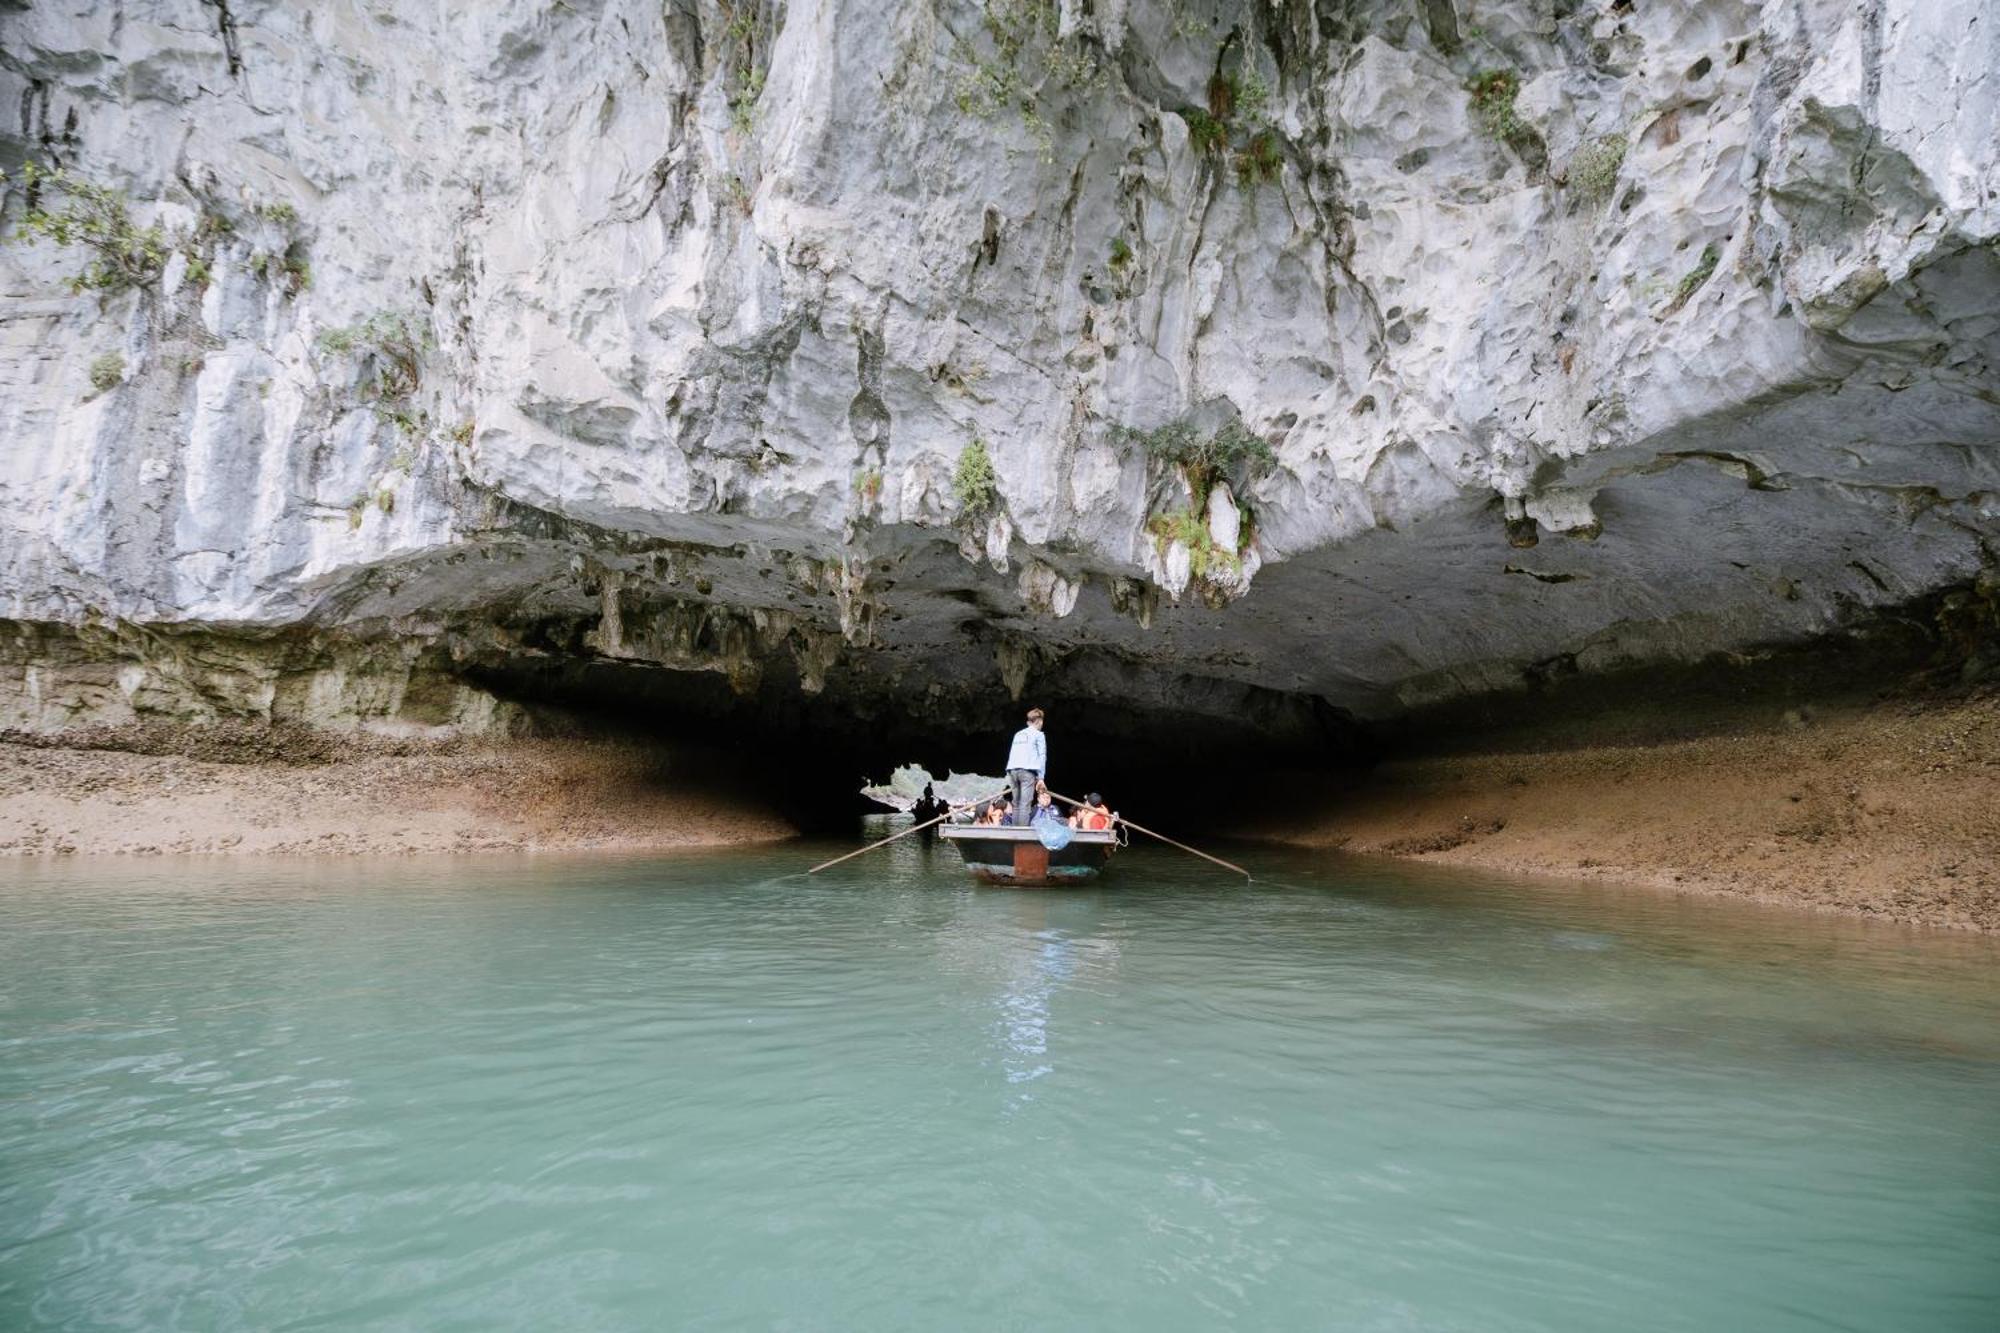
{"points": [[1592, 333]]}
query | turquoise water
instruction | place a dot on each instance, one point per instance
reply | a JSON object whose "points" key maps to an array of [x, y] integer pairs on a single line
{"points": [[688, 1093]]}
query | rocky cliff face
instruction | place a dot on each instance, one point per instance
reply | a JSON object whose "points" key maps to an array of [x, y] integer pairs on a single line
{"points": [[1355, 355]]}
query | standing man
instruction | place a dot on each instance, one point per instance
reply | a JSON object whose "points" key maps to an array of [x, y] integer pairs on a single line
{"points": [[1027, 764], [927, 808]]}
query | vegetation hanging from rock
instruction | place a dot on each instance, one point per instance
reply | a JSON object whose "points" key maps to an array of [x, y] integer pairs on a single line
{"points": [[1190, 528], [1203, 459], [1237, 103], [70, 211], [740, 30]]}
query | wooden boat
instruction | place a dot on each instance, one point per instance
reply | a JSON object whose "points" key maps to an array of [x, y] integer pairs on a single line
{"points": [[1016, 856]]}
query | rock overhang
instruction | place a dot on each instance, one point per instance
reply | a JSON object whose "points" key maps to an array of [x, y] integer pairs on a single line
{"points": [[700, 371]]}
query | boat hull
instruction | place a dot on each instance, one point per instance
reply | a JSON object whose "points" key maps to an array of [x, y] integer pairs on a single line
{"points": [[1016, 858]]}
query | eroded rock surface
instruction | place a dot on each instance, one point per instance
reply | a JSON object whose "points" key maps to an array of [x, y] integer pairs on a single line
{"points": [[647, 334]]}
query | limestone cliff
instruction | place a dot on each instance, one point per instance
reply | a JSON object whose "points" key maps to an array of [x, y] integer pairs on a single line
{"points": [[1369, 353]]}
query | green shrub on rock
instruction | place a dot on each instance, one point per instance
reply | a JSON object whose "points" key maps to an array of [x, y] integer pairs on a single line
{"points": [[1253, 98], [1593, 171], [1493, 94], [1203, 459], [1208, 134], [107, 371], [974, 483]]}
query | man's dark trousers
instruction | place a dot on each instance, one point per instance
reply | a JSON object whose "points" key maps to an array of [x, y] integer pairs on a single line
{"points": [[1024, 780]]}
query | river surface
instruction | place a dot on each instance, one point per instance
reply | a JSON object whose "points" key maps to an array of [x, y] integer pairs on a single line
{"points": [[702, 1092]]}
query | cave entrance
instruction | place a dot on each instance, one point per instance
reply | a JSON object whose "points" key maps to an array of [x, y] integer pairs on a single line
{"points": [[810, 754]]}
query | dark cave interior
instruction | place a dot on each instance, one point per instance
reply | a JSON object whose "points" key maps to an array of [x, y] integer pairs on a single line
{"points": [[809, 755], [1202, 766]]}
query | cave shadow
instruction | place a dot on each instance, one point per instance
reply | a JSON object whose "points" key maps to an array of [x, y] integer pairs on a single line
{"points": [[808, 754]]}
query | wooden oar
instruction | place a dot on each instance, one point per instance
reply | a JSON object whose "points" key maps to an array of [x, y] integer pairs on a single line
{"points": [[904, 834], [1163, 838]]}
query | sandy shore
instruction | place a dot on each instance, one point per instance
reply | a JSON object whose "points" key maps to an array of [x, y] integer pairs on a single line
{"points": [[1890, 811], [523, 796]]}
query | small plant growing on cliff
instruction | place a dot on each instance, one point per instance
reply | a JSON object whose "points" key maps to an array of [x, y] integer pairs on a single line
{"points": [[280, 257], [199, 245], [1593, 172], [1040, 131], [1692, 281], [97, 219], [412, 424], [986, 86], [1493, 93], [1208, 134], [1253, 97], [743, 106], [739, 43], [1121, 252], [392, 343], [974, 484], [1260, 161], [290, 268], [107, 371]]}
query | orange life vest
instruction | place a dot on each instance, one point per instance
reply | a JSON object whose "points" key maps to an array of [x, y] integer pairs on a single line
{"points": [[1093, 819]]}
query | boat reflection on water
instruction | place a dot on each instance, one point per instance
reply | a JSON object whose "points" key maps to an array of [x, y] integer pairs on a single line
{"points": [[1019, 962], [1042, 961]]}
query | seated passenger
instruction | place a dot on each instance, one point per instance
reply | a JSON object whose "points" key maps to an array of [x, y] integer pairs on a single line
{"points": [[1045, 806], [1092, 814], [996, 814]]}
